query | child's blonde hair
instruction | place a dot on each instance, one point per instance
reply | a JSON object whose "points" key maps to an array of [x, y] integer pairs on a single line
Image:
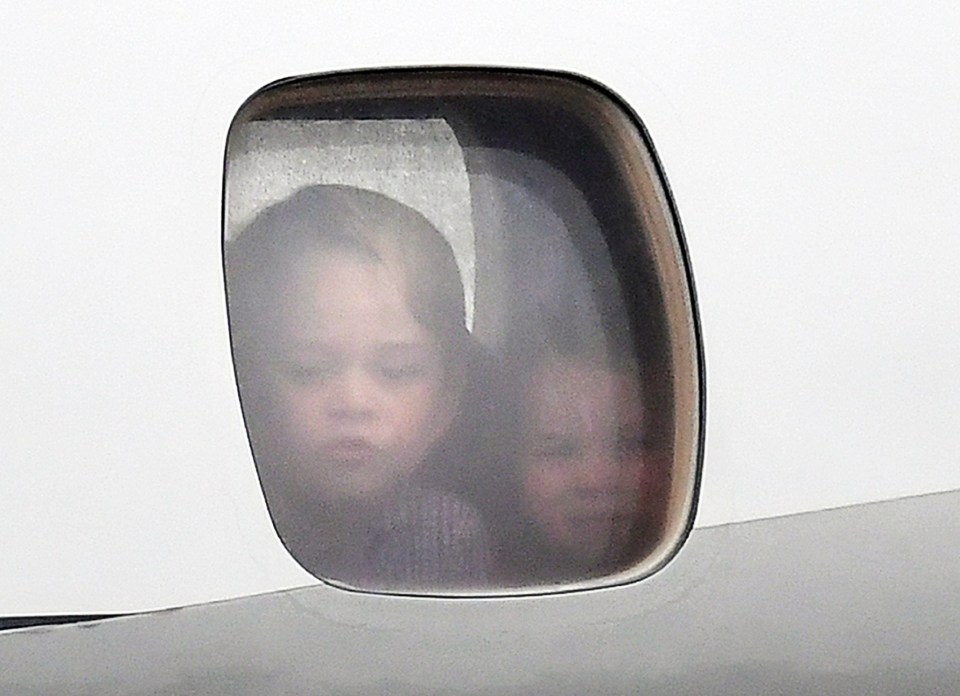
{"points": [[340, 218]]}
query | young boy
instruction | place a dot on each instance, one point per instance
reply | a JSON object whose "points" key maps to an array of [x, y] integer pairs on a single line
{"points": [[347, 319]]}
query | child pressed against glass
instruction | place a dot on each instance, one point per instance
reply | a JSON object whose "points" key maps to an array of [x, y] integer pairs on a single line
{"points": [[592, 484], [347, 316]]}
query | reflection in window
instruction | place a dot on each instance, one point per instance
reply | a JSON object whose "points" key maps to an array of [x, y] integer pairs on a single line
{"points": [[455, 358]]}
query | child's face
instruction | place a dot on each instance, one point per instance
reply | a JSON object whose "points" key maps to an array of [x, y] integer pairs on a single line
{"points": [[585, 474], [356, 383]]}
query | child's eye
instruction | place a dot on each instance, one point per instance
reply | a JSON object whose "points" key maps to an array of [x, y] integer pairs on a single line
{"points": [[307, 373], [631, 445], [556, 448], [401, 371]]}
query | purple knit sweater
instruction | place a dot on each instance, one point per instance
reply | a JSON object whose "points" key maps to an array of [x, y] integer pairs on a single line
{"points": [[428, 539], [421, 540]]}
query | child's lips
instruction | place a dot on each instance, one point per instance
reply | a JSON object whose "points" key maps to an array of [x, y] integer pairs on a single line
{"points": [[350, 449]]}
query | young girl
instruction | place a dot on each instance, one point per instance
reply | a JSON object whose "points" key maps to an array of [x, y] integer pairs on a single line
{"points": [[347, 321], [591, 475]]}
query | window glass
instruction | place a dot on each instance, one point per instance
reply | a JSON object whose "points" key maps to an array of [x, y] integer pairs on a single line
{"points": [[463, 331]]}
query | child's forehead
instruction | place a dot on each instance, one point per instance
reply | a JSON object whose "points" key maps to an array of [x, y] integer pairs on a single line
{"points": [[574, 389], [337, 295], [577, 372], [327, 273]]}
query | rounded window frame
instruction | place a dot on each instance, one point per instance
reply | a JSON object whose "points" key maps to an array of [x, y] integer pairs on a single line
{"points": [[634, 158]]}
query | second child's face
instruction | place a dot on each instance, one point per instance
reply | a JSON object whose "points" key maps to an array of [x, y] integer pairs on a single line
{"points": [[356, 383], [586, 474]]}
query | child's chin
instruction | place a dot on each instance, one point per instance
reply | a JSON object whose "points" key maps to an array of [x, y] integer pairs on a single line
{"points": [[363, 489]]}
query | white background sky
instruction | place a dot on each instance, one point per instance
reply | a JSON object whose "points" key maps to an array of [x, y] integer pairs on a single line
{"points": [[812, 152]]}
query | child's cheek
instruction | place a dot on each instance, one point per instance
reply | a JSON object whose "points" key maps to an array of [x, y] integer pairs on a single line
{"points": [[543, 486], [415, 411], [540, 493], [301, 411], [648, 478]]}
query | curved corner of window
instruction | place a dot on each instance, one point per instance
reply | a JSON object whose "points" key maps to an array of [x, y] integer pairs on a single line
{"points": [[464, 331]]}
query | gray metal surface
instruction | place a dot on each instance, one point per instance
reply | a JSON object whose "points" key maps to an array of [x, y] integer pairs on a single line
{"points": [[859, 600]]}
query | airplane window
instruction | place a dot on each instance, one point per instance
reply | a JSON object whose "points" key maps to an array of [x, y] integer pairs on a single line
{"points": [[463, 331]]}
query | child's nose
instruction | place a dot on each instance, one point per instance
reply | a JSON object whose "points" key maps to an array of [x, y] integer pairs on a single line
{"points": [[599, 470], [353, 395]]}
